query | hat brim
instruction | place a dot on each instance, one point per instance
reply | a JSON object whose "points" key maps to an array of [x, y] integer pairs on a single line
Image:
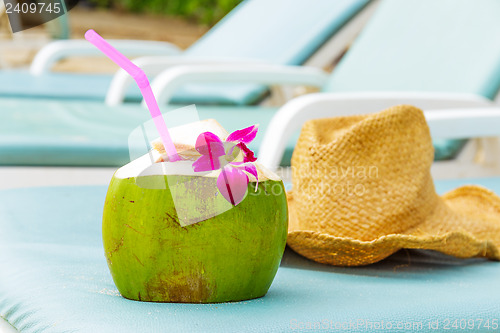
{"points": [[466, 223]]}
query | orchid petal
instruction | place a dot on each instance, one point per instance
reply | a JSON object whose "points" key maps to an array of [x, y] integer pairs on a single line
{"points": [[245, 135], [206, 163], [248, 168], [208, 143], [232, 184], [251, 169], [248, 155]]}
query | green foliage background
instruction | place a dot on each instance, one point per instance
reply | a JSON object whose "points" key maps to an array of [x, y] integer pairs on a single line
{"points": [[206, 12]]}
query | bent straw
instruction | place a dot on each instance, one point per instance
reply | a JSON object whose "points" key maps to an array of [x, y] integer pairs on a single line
{"points": [[143, 83]]}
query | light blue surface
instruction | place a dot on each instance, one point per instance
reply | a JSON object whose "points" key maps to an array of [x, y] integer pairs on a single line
{"points": [[425, 45], [54, 278], [283, 32], [86, 133], [63, 86]]}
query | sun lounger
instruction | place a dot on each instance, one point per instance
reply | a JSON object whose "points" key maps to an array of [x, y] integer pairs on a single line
{"points": [[276, 32]]}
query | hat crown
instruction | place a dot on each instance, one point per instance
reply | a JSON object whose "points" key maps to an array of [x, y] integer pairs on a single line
{"points": [[363, 177]]}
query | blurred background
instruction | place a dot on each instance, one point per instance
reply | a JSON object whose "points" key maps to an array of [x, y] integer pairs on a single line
{"points": [[180, 22], [60, 109]]}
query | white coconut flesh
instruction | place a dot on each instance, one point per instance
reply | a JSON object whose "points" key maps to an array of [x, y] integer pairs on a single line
{"points": [[184, 138]]}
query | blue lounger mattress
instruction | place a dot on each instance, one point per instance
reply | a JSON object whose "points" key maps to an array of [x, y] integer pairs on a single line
{"points": [[54, 278], [34, 132], [93, 134]]}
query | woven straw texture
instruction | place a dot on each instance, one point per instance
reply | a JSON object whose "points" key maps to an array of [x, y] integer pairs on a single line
{"points": [[362, 190]]}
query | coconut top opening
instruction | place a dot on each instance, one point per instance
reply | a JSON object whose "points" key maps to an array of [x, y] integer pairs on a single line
{"points": [[184, 137]]}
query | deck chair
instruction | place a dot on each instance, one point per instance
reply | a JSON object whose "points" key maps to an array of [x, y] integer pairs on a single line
{"points": [[414, 49], [54, 276], [276, 32]]}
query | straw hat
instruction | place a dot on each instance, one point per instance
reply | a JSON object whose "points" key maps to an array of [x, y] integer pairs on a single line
{"points": [[362, 190]]}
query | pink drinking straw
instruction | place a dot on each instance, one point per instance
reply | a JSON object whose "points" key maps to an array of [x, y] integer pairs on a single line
{"points": [[143, 83]]}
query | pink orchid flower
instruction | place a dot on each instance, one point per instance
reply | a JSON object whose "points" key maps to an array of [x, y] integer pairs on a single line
{"points": [[235, 163]]}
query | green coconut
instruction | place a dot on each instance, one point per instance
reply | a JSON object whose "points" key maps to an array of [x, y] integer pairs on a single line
{"points": [[169, 237]]}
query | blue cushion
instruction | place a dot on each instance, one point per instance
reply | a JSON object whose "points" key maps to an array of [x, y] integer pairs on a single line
{"points": [[66, 86], [44, 132], [54, 278], [280, 32], [426, 46], [34, 132]]}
